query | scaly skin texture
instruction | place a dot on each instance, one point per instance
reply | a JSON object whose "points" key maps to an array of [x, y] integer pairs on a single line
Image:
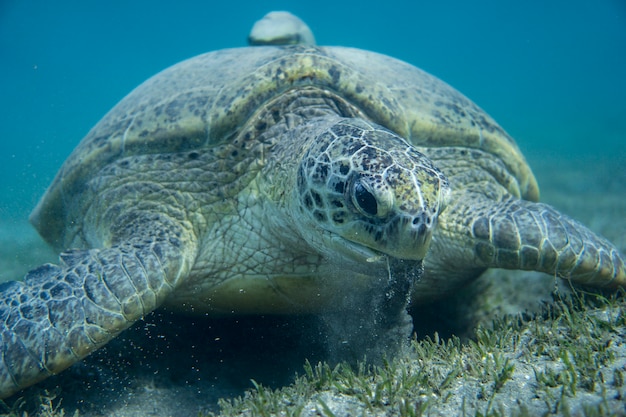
{"points": [[60, 314], [281, 180], [485, 226]]}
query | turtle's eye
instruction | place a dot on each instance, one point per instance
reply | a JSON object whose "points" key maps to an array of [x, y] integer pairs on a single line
{"points": [[364, 200]]}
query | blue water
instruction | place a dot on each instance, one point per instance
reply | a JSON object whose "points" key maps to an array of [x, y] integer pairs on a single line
{"points": [[553, 73]]}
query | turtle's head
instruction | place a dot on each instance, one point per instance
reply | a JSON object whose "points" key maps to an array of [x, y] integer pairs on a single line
{"points": [[370, 192]]}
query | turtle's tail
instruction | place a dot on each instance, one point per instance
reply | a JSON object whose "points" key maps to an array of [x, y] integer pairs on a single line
{"points": [[518, 234], [60, 314]]}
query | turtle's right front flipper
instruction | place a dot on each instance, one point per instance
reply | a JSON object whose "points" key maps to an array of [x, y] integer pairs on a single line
{"points": [[60, 314], [519, 234]]}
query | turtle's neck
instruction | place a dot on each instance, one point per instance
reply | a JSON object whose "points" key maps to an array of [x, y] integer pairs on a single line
{"points": [[295, 107]]}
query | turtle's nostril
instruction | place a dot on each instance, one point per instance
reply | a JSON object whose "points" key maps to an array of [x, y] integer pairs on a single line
{"points": [[420, 224]]}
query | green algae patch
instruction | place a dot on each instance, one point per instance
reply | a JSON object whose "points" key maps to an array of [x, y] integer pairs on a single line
{"points": [[568, 360]]}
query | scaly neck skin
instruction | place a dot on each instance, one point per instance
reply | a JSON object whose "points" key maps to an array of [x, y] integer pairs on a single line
{"points": [[474, 169], [294, 121]]}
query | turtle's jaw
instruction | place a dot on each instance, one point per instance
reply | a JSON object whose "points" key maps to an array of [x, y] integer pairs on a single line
{"points": [[347, 249], [341, 250]]}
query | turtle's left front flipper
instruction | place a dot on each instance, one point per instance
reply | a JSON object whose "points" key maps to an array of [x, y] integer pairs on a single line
{"points": [[60, 314], [519, 234]]}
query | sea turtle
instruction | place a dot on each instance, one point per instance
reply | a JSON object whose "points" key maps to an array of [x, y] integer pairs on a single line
{"points": [[280, 179]]}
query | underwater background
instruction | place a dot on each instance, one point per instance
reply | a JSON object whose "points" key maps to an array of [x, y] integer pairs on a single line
{"points": [[551, 73]]}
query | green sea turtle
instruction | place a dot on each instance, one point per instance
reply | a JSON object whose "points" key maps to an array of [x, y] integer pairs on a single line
{"points": [[280, 179]]}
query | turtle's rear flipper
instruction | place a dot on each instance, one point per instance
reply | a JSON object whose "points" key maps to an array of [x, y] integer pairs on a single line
{"points": [[518, 234], [60, 314]]}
